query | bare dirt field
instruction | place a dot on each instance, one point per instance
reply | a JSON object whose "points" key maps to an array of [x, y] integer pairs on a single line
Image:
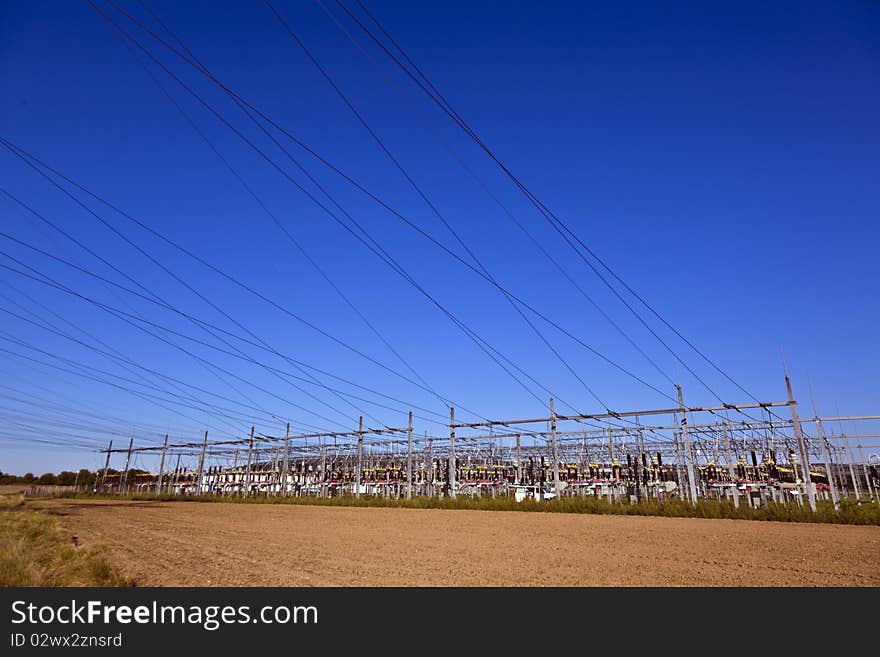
{"points": [[214, 544]]}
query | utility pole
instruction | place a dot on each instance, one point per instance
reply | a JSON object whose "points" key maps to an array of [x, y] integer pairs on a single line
{"points": [[285, 463], [123, 485], [360, 461], [857, 490], [106, 465], [324, 483], [451, 476], [518, 462], [176, 475], [826, 452], [826, 455], [555, 449], [731, 468], [802, 446], [688, 456], [865, 470], [199, 488], [610, 448], [247, 476], [612, 484], [429, 466], [161, 466], [640, 444], [409, 472]]}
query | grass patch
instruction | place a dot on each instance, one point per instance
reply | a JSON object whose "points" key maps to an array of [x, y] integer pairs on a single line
{"points": [[35, 551], [849, 513]]}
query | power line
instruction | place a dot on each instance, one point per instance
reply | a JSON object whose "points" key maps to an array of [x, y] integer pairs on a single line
{"points": [[164, 269], [374, 247], [264, 117], [250, 191], [484, 186], [129, 318], [384, 148], [548, 214]]}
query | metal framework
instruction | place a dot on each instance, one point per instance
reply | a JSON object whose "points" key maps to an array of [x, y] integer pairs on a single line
{"points": [[684, 452]]}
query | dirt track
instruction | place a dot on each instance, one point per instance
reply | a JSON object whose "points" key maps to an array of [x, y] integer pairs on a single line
{"points": [[197, 544]]}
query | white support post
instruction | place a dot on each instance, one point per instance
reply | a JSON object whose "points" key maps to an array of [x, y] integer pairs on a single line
{"points": [[199, 488], [106, 466], [731, 467], [451, 476], [285, 462], [688, 455], [555, 449], [409, 472], [247, 476], [360, 455], [123, 481], [161, 467], [826, 454], [802, 445]]}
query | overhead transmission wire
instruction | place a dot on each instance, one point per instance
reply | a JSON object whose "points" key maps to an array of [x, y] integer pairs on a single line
{"points": [[46, 280], [273, 163], [162, 303], [67, 336], [367, 192], [122, 314], [145, 428], [252, 193], [38, 401], [545, 211], [337, 170], [12, 413], [166, 341], [421, 193], [82, 366], [136, 393], [208, 405], [434, 208], [89, 335], [22, 153], [554, 220], [67, 321], [265, 208], [373, 246], [158, 264], [56, 418], [20, 442], [209, 366], [484, 186], [261, 296], [113, 356]]}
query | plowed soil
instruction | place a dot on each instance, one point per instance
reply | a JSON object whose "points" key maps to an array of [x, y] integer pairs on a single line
{"points": [[215, 544]]}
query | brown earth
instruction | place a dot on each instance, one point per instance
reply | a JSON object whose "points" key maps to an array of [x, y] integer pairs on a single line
{"points": [[215, 544]]}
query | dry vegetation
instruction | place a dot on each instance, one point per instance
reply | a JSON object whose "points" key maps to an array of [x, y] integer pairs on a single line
{"points": [[36, 551], [849, 512]]}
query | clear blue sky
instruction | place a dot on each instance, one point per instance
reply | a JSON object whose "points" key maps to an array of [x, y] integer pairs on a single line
{"points": [[722, 159]]}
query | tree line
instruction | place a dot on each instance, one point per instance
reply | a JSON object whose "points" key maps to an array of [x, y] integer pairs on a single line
{"points": [[83, 477]]}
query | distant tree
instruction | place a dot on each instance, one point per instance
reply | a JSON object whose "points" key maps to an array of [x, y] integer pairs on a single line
{"points": [[87, 478], [66, 478], [47, 479], [28, 477]]}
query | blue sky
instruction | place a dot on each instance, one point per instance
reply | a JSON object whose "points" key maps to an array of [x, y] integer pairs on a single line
{"points": [[723, 160]]}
